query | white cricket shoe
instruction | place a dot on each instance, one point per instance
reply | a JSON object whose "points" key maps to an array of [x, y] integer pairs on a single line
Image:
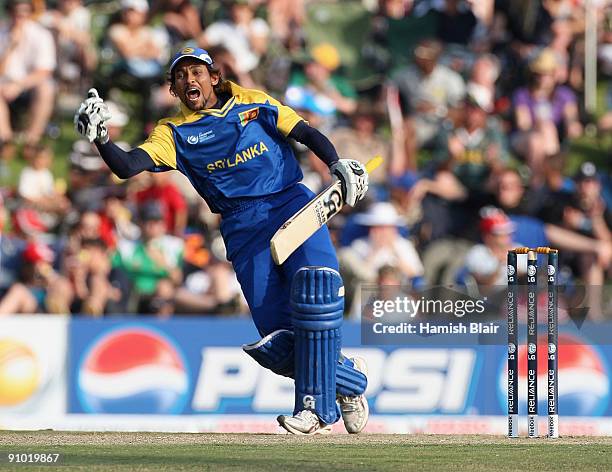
{"points": [[355, 409], [304, 422]]}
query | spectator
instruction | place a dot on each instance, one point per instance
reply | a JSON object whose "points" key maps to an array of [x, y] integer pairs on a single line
{"points": [[245, 36], [11, 248], [476, 149], [388, 287], [429, 92], [319, 86], [486, 262], [138, 47], [181, 19], [162, 303], [76, 56], [211, 288], [155, 257], [604, 51], [163, 191], [545, 113], [27, 224], [605, 58], [383, 246], [27, 63], [88, 267], [525, 25], [439, 199], [485, 72], [116, 218], [396, 29], [37, 188], [88, 227], [525, 207], [142, 50], [581, 223], [87, 176], [513, 196], [456, 22], [286, 19], [40, 288], [588, 212], [362, 140], [227, 64]]}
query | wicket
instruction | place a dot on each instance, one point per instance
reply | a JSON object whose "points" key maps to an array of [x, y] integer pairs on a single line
{"points": [[532, 342]]}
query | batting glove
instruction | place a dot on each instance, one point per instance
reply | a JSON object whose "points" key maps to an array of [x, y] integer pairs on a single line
{"points": [[91, 117], [353, 177]]}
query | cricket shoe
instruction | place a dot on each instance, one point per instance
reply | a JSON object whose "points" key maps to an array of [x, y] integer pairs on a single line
{"points": [[304, 422], [355, 410]]}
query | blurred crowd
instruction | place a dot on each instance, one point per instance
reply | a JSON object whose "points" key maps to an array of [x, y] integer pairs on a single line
{"points": [[473, 105]]}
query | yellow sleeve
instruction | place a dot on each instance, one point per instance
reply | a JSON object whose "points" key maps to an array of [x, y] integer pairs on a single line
{"points": [[160, 146], [287, 117]]}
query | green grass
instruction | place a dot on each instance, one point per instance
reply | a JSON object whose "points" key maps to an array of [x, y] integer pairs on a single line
{"points": [[238, 452]]}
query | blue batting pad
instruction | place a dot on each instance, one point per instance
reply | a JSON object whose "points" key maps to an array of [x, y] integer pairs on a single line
{"points": [[349, 382], [317, 303], [275, 352]]}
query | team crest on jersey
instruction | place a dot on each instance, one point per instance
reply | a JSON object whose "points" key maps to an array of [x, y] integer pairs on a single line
{"points": [[248, 115]]}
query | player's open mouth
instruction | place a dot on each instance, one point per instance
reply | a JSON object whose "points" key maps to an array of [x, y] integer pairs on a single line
{"points": [[193, 94]]}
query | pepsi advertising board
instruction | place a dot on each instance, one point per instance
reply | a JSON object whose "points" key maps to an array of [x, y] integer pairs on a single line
{"points": [[197, 367]]}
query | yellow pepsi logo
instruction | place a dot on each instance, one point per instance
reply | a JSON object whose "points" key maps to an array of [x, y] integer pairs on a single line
{"points": [[19, 372]]}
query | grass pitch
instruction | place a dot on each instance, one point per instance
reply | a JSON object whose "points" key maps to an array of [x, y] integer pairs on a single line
{"points": [[243, 452]]}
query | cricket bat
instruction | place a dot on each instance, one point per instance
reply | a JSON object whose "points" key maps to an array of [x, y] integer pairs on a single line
{"points": [[309, 219]]}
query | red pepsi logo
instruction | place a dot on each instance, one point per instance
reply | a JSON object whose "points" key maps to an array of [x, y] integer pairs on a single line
{"points": [[133, 370]]}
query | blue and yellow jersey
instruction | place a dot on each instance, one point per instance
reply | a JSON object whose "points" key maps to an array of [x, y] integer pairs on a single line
{"points": [[230, 154]]}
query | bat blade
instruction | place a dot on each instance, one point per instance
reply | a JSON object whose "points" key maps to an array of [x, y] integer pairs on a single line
{"points": [[297, 229]]}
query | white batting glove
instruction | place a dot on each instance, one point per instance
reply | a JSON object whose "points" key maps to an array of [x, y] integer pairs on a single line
{"points": [[353, 177], [91, 117]]}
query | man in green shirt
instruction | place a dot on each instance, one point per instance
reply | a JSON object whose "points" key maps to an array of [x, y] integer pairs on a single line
{"points": [[156, 256]]}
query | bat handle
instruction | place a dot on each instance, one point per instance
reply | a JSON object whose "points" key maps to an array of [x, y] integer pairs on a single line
{"points": [[373, 163], [92, 93]]}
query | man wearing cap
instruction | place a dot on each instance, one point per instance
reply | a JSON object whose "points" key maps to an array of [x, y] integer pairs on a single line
{"points": [[587, 212], [384, 245], [231, 143], [476, 148], [486, 262]]}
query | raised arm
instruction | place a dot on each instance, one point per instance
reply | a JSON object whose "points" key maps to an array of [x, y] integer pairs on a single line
{"points": [[351, 173], [90, 122]]}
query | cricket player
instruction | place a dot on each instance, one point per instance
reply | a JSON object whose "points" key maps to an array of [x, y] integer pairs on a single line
{"points": [[231, 143]]}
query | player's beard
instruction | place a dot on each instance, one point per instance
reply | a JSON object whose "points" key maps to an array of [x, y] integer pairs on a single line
{"points": [[198, 106], [193, 106]]}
